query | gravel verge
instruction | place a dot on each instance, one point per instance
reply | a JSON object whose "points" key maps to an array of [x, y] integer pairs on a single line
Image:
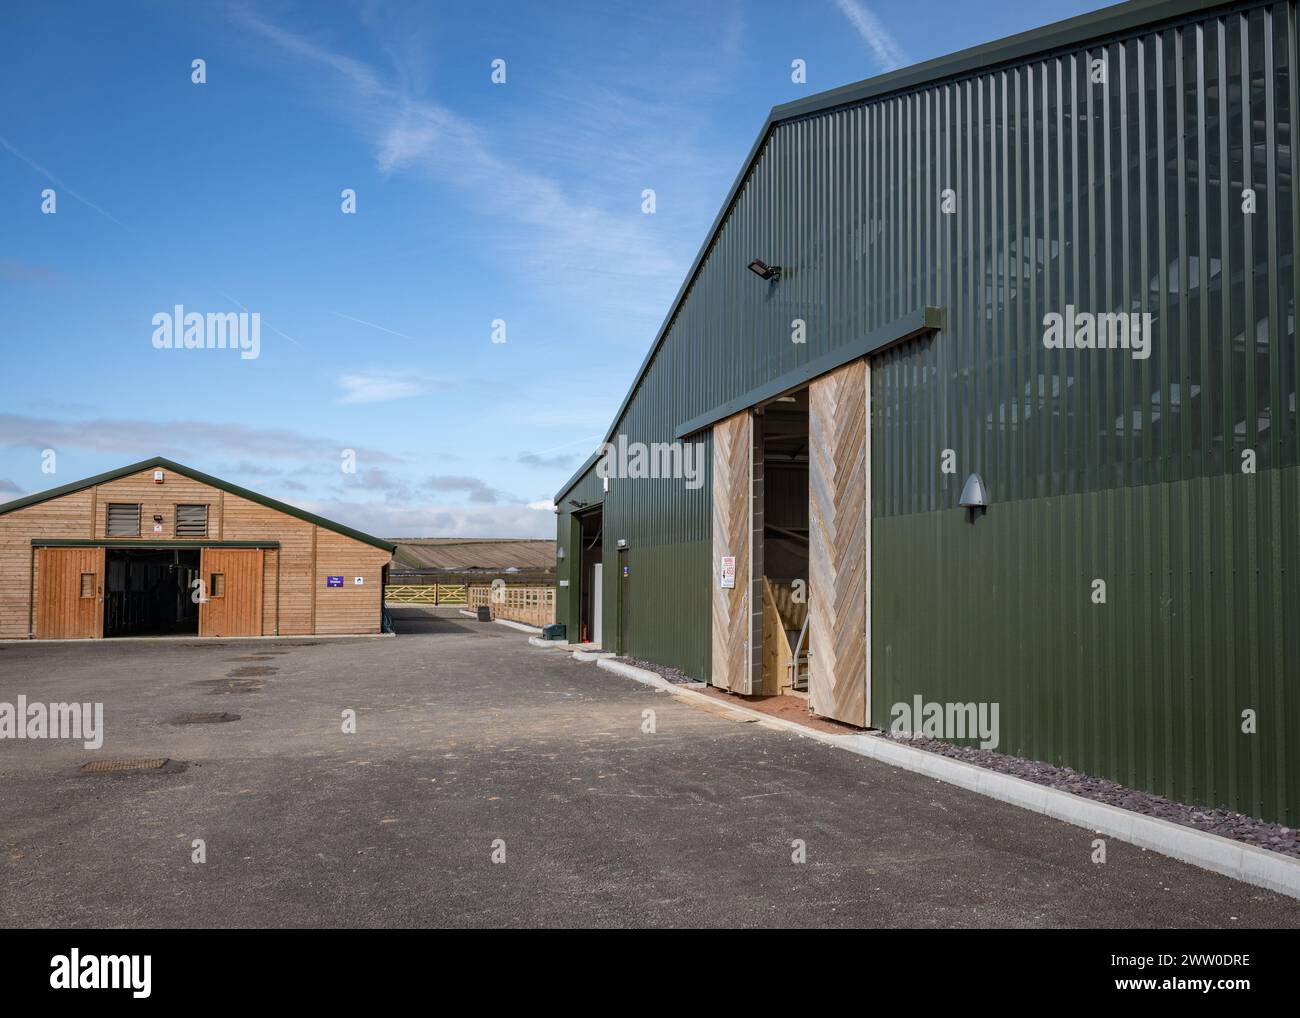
{"points": [[1225, 823], [663, 671]]}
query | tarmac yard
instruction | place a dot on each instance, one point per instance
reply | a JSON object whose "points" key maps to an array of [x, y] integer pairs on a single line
{"points": [[489, 783]]}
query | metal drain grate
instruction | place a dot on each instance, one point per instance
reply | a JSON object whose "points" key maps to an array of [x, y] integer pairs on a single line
{"points": [[113, 766], [202, 718]]}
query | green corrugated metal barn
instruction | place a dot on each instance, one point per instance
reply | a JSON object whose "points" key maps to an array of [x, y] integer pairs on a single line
{"points": [[1131, 596]]}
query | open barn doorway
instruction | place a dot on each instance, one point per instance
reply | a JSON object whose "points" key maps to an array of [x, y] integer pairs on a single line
{"points": [[591, 575], [761, 587], [783, 432], [148, 592]]}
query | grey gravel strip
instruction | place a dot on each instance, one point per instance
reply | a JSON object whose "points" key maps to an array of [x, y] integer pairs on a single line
{"points": [[1225, 823], [674, 676]]}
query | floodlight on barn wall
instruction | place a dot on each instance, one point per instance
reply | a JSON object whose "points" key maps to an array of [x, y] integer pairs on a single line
{"points": [[763, 270], [974, 496]]}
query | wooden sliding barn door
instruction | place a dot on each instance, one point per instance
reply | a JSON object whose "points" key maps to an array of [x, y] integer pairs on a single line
{"points": [[839, 557], [70, 598], [233, 585], [733, 468]]}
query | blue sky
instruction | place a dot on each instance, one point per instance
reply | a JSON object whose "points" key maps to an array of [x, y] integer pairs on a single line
{"points": [[475, 202]]}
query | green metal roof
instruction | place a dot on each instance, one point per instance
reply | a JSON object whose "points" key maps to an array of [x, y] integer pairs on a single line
{"points": [[1102, 24], [197, 475]]}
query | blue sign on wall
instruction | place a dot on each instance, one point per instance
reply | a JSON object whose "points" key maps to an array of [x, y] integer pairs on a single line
{"points": [[334, 581]]}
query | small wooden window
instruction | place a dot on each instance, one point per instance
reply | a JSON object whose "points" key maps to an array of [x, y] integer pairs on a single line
{"points": [[123, 519], [191, 521], [87, 584], [217, 586]]}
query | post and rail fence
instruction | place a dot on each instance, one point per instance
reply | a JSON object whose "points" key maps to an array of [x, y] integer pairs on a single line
{"points": [[534, 606]]}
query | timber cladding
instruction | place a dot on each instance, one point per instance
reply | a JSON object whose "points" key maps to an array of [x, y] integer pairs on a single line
{"points": [[68, 517], [351, 607], [281, 571]]}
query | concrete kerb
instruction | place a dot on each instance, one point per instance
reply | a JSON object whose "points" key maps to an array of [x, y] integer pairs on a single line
{"points": [[592, 655], [522, 627], [1234, 859], [580, 651]]}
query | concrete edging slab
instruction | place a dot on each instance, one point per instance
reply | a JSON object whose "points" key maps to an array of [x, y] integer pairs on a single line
{"points": [[1199, 848], [521, 626]]}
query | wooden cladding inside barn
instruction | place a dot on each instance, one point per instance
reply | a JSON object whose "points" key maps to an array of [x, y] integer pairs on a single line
{"points": [[304, 578]]}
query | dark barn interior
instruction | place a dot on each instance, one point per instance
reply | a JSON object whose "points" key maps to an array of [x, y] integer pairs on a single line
{"points": [[147, 592]]}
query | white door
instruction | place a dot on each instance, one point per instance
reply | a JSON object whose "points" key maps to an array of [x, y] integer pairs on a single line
{"points": [[597, 604]]}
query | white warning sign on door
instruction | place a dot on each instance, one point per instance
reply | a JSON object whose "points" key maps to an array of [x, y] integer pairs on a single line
{"points": [[728, 570]]}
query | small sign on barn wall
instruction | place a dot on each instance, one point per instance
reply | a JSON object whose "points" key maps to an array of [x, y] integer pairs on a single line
{"points": [[728, 571], [358, 580], [334, 581]]}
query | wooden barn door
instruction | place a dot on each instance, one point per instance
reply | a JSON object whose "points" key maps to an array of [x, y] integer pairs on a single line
{"points": [[733, 452], [839, 545], [70, 598], [233, 585]]}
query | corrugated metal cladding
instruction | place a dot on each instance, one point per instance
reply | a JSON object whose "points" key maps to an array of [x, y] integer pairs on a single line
{"points": [[1119, 195], [1101, 466]]}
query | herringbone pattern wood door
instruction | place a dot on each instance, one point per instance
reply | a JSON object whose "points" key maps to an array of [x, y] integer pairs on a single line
{"points": [[839, 541], [733, 442]]}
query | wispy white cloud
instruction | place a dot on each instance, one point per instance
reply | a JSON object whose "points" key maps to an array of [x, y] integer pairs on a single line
{"points": [[884, 47], [572, 238], [381, 387]]}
